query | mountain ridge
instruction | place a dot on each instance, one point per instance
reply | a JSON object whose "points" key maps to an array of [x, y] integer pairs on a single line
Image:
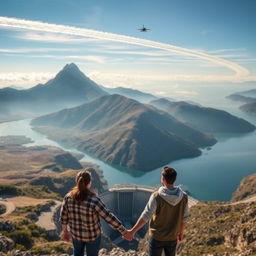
{"points": [[244, 96], [249, 108], [204, 119], [119, 130], [131, 93]]}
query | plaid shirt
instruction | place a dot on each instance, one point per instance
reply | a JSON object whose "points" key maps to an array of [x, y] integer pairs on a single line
{"points": [[83, 218]]}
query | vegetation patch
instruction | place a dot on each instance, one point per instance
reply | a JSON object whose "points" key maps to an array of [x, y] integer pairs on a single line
{"points": [[2, 209], [9, 190], [50, 248], [36, 191]]}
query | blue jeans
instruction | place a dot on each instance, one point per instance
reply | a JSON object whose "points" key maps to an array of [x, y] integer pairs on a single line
{"points": [[156, 247], [92, 248]]}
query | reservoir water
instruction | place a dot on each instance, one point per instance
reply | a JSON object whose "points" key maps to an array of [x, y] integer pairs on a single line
{"points": [[213, 176]]}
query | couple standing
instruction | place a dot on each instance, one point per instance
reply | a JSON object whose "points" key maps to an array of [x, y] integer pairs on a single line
{"points": [[165, 211]]}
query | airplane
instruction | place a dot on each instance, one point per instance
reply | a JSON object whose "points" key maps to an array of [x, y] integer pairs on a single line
{"points": [[143, 29]]}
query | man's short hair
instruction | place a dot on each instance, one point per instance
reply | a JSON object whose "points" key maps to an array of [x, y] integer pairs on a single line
{"points": [[169, 174]]}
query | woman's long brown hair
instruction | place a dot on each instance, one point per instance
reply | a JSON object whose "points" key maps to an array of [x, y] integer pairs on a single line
{"points": [[80, 192]]}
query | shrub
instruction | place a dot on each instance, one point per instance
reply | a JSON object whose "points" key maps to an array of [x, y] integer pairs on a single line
{"points": [[9, 190], [2, 209], [22, 237]]}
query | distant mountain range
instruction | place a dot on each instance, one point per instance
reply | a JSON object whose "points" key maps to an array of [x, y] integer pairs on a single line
{"points": [[204, 119], [131, 93], [70, 87], [249, 108], [245, 96], [125, 132], [248, 97], [249, 93]]}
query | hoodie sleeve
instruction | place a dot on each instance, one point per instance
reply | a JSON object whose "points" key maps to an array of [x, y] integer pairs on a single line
{"points": [[149, 209]]}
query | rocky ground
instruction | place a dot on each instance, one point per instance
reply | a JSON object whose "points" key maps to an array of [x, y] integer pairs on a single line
{"points": [[25, 163], [220, 230], [246, 188]]}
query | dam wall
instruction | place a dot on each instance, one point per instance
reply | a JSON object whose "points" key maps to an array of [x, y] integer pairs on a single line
{"points": [[127, 202]]}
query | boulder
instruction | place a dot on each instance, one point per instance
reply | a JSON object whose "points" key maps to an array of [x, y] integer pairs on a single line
{"points": [[6, 244]]}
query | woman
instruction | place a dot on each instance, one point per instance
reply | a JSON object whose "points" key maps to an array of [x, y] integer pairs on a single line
{"points": [[80, 212]]}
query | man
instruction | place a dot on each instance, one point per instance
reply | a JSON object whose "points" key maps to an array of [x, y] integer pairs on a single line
{"points": [[166, 212]]}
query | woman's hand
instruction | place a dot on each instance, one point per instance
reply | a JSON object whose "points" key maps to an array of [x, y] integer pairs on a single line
{"points": [[65, 236]]}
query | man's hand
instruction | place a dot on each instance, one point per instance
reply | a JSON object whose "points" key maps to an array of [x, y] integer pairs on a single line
{"points": [[181, 231], [128, 235], [65, 236], [180, 236]]}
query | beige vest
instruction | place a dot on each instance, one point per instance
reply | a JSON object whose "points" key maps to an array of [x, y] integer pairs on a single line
{"points": [[165, 223]]}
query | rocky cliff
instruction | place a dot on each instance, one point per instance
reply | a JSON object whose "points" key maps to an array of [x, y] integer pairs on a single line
{"points": [[246, 189]]}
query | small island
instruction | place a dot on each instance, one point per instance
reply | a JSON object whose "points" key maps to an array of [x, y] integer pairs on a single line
{"points": [[14, 140], [249, 108]]}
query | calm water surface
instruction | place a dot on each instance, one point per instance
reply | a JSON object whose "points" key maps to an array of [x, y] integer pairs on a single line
{"points": [[212, 176]]}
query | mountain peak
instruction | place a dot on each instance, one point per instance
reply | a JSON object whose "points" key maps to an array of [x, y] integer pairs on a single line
{"points": [[71, 71], [73, 83], [71, 67]]}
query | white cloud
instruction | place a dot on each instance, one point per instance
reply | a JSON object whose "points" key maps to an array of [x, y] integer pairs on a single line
{"points": [[247, 60], [186, 92], [241, 73], [160, 93], [227, 50], [97, 59], [31, 50], [139, 52], [110, 79], [130, 79], [25, 79], [53, 38], [91, 58]]}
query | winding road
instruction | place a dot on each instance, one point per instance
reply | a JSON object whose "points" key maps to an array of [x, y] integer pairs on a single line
{"points": [[45, 220], [10, 207]]}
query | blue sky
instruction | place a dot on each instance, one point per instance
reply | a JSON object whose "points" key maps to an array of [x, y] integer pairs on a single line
{"points": [[222, 31]]}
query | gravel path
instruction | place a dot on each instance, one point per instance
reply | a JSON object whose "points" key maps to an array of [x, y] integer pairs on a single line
{"points": [[45, 220]]}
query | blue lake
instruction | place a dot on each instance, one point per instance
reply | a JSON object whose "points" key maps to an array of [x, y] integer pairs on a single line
{"points": [[213, 176]]}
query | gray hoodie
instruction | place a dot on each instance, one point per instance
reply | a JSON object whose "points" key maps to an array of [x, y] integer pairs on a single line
{"points": [[172, 196]]}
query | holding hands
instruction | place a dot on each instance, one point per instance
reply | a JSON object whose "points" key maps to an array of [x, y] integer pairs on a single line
{"points": [[128, 235]]}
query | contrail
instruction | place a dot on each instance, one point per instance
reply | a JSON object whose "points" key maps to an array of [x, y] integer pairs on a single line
{"points": [[69, 30]]}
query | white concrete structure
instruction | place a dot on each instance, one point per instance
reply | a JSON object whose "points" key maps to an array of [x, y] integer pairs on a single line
{"points": [[128, 202]]}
